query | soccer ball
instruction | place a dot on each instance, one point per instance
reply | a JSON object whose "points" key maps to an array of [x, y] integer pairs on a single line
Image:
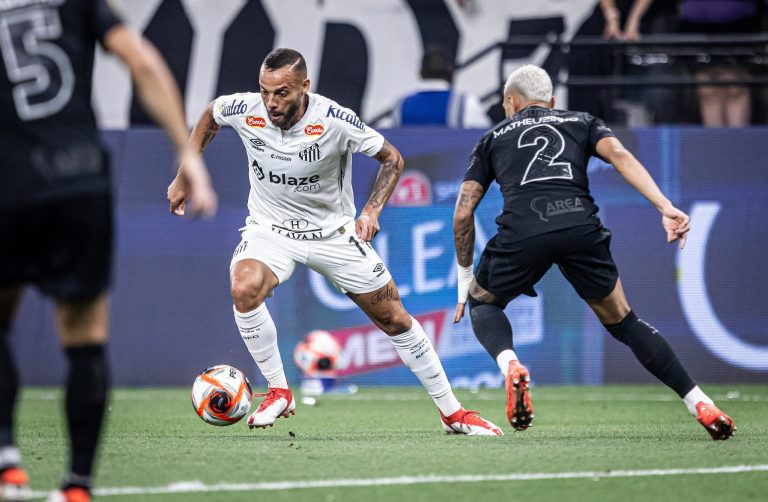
{"points": [[317, 354], [221, 395]]}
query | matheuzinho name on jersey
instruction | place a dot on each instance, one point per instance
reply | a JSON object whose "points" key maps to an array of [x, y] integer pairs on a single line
{"points": [[539, 120]]}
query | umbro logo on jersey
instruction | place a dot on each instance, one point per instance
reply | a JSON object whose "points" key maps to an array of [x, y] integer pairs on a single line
{"points": [[314, 130], [310, 153], [258, 144], [252, 121], [233, 108]]}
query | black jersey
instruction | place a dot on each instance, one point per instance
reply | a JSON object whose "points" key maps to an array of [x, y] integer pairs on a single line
{"points": [[49, 141], [539, 159]]}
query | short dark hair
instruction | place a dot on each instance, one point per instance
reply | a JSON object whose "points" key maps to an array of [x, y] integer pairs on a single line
{"points": [[285, 57], [437, 62]]}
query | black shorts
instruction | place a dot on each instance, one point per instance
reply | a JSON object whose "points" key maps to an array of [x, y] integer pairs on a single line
{"points": [[509, 268], [64, 247]]}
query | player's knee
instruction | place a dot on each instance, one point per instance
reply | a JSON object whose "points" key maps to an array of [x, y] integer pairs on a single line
{"points": [[395, 322], [246, 294]]}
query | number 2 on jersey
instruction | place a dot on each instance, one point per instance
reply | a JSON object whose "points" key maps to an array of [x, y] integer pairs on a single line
{"points": [[544, 164], [40, 69]]}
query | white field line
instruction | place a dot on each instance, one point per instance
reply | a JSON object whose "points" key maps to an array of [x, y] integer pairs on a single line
{"points": [[200, 487]]}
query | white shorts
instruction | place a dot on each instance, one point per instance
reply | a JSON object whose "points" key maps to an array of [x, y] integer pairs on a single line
{"points": [[352, 266]]}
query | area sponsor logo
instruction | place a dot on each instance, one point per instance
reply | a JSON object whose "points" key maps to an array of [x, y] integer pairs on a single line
{"points": [[544, 206], [314, 130], [366, 348], [252, 121]]}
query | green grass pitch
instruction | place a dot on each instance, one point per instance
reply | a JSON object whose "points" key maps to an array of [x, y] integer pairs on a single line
{"points": [[155, 448]]}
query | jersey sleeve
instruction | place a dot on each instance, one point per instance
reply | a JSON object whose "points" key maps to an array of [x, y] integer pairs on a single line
{"points": [[218, 109], [479, 169], [104, 18], [356, 136], [597, 130]]}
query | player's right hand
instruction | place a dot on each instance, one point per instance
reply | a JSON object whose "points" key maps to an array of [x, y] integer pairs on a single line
{"points": [[459, 312], [676, 223]]}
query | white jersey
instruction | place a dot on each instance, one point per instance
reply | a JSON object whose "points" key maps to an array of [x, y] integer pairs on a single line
{"points": [[300, 179]]}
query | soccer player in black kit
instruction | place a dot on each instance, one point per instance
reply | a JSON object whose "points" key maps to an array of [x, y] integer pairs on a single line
{"points": [[55, 203], [539, 156]]}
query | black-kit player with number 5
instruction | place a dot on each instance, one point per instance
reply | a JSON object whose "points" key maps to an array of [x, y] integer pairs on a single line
{"points": [[539, 157], [56, 207]]}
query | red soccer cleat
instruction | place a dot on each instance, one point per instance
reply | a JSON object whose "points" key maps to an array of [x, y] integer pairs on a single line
{"points": [[470, 423], [277, 403], [14, 484], [718, 424], [519, 407]]}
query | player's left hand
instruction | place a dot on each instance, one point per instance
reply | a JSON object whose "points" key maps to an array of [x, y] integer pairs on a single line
{"points": [[459, 312], [677, 224], [367, 225]]}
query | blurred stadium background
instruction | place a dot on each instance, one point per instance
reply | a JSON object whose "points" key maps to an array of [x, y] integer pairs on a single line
{"points": [[171, 306]]}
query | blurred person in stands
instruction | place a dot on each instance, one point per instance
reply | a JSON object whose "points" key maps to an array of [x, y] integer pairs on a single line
{"points": [[56, 204], [724, 105], [620, 20], [435, 102]]}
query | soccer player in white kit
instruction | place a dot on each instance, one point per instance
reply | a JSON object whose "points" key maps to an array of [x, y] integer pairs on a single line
{"points": [[301, 211]]}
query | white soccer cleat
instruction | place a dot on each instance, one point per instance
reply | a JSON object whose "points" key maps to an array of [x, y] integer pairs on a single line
{"points": [[470, 423], [277, 403]]}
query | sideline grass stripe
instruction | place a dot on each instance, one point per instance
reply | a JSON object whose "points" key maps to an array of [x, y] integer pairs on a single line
{"points": [[199, 487]]}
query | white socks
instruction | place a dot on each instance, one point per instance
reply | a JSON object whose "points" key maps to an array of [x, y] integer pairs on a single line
{"points": [[694, 397], [504, 358], [260, 336], [418, 354], [9, 456]]}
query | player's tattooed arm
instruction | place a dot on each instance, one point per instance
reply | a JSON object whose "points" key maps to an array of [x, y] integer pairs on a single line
{"points": [[392, 166], [205, 129], [470, 195]]}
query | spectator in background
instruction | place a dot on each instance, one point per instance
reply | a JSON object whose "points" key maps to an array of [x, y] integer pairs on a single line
{"points": [[435, 103], [731, 105]]}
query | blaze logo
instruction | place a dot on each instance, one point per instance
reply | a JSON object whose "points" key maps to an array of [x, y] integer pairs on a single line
{"points": [[314, 130], [255, 121]]}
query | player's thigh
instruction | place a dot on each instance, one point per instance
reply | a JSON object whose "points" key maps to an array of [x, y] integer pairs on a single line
{"points": [[509, 268], [262, 260], [352, 266], [584, 257]]}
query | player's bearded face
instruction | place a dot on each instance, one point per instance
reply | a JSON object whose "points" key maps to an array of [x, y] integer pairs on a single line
{"points": [[283, 92]]}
